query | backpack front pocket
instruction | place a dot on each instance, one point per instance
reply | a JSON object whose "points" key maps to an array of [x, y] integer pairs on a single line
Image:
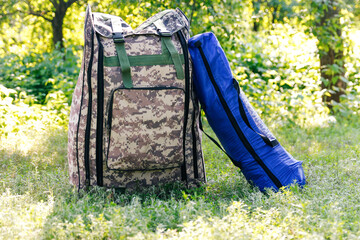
{"points": [[145, 128]]}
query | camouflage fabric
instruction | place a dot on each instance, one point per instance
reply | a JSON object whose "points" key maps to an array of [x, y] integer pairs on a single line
{"points": [[139, 136], [148, 137]]}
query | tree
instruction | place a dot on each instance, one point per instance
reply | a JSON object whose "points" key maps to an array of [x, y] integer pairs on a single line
{"points": [[328, 30], [52, 11], [256, 14], [274, 11], [324, 19]]}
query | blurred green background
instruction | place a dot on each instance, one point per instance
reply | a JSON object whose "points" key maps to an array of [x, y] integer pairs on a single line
{"points": [[296, 61]]}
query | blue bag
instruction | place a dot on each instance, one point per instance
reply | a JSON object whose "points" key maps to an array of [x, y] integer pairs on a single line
{"points": [[245, 138]]}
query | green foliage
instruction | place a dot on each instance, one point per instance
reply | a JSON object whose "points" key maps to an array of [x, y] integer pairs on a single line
{"points": [[15, 114], [267, 13], [22, 32], [284, 84], [37, 75], [329, 22], [33, 161], [279, 73]]}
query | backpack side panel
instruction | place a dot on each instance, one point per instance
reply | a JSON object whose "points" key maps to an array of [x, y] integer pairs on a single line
{"points": [[79, 111]]}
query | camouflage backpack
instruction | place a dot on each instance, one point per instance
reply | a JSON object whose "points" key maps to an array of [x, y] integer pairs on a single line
{"points": [[134, 115]]}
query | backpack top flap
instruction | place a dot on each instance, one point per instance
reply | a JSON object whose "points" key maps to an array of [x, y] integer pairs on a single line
{"points": [[171, 20]]}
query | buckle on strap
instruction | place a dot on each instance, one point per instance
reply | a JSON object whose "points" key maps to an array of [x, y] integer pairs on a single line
{"points": [[164, 33], [118, 37]]}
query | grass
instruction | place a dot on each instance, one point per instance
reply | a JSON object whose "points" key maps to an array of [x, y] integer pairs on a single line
{"points": [[37, 202]]}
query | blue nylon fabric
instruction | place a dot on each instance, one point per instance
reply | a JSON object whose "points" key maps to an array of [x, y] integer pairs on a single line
{"points": [[277, 159]]}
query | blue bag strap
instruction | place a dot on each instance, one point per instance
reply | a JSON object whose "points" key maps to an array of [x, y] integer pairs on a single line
{"points": [[217, 143], [271, 143]]}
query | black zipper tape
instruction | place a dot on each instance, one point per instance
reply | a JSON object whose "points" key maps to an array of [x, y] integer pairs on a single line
{"points": [[233, 120], [271, 143], [187, 98], [100, 115], [78, 127]]}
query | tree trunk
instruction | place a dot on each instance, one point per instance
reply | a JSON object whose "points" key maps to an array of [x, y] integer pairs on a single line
{"points": [[256, 19], [331, 52], [332, 82], [274, 14], [56, 21], [57, 25], [256, 26]]}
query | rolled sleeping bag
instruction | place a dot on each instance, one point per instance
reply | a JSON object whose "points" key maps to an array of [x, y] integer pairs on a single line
{"points": [[243, 135]]}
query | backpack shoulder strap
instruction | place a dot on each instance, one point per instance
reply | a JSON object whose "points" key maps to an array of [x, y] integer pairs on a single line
{"points": [[121, 52]]}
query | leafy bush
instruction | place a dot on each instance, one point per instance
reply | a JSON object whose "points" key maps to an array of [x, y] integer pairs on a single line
{"points": [[279, 71], [40, 74], [15, 114]]}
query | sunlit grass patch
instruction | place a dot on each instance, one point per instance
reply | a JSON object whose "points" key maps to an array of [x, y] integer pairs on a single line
{"points": [[38, 167], [21, 217], [33, 167]]}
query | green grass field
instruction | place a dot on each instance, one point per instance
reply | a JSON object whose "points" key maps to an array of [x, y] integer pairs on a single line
{"points": [[37, 202]]}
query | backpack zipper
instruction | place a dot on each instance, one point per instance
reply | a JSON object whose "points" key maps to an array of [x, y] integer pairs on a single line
{"points": [[110, 102], [100, 115], [88, 117], [187, 96]]}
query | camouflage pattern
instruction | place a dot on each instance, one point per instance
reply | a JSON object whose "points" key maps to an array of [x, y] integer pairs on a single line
{"points": [[94, 113], [149, 137], [144, 144], [78, 113], [133, 179]]}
